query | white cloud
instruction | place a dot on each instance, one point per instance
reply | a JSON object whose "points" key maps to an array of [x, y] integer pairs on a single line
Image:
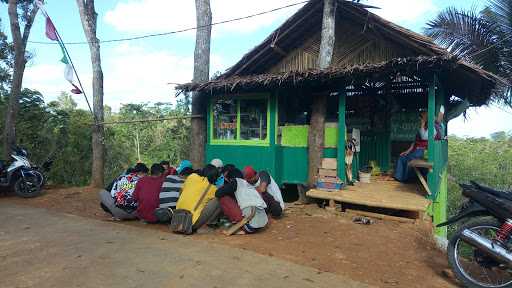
{"points": [[137, 74], [132, 74], [402, 11], [154, 16], [482, 122], [49, 80]]}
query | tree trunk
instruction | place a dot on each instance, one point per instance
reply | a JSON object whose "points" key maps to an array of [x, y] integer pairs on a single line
{"points": [[328, 34], [13, 105], [89, 16], [316, 136], [201, 74], [318, 109], [20, 44]]}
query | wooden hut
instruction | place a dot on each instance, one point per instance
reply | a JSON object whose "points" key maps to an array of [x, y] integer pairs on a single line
{"points": [[381, 76]]}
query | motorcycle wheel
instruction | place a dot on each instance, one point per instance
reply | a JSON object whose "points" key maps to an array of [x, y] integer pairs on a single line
{"points": [[28, 188], [471, 266]]}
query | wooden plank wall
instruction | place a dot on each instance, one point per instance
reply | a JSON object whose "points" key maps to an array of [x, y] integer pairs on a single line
{"points": [[354, 45]]}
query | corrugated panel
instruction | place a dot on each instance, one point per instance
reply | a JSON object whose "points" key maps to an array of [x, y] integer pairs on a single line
{"points": [[375, 146], [292, 163]]}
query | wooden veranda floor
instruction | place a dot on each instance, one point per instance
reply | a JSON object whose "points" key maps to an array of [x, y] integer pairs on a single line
{"points": [[380, 193]]}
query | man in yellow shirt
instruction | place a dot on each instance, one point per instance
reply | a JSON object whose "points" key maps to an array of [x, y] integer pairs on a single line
{"points": [[198, 196]]}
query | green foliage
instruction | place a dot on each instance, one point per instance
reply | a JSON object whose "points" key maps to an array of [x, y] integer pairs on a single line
{"points": [[59, 131], [487, 161], [479, 37]]}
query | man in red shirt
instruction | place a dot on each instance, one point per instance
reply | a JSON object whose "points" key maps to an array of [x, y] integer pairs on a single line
{"points": [[147, 193]]}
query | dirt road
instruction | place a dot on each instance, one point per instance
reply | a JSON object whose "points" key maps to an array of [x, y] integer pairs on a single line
{"points": [[39, 248], [386, 254]]}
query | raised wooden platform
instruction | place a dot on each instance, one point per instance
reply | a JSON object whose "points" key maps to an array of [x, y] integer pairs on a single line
{"points": [[380, 193]]}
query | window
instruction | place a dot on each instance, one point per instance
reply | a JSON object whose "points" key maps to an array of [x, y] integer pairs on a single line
{"points": [[253, 119], [240, 120], [224, 119]]}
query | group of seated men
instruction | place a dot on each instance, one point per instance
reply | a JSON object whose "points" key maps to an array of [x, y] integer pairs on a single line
{"points": [[209, 194]]}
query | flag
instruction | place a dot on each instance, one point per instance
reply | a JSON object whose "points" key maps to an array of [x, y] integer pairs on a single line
{"points": [[51, 32]]}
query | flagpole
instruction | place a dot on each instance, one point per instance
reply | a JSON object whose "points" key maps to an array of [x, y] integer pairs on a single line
{"points": [[40, 4], [76, 74]]}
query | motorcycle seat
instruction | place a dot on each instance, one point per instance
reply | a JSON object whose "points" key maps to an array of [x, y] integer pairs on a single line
{"points": [[498, 193]]}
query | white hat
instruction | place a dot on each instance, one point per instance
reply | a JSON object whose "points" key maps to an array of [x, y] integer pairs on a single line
{"points": [[217, 163]]}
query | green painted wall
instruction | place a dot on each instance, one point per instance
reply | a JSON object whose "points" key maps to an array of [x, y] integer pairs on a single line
{"points": [[330, 152], [292, 164], [295, 135], [260, 157]]}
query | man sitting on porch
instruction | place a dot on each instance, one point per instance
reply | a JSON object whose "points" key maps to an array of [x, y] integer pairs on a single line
{"points": [[268, 189]]}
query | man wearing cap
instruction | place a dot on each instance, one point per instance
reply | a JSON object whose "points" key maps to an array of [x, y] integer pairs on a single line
{"points": [[268, 189], [220, 166], [238, 199], [183, 164]]}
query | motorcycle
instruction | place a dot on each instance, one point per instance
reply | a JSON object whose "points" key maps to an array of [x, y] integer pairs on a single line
{"points": [[20, 175], [480, 251]]}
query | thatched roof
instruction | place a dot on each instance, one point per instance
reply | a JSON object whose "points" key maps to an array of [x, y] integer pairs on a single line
{"points": [[249, 73], [308, 21], [457, 77]]}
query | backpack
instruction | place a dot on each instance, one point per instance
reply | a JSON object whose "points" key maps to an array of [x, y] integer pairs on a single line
{"points": [[181, 221]]}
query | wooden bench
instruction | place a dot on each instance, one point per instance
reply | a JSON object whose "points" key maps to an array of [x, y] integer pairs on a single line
{"points": [[419, 163]]}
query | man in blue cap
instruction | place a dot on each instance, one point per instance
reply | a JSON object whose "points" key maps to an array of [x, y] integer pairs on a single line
{"points": [[183, 164]]}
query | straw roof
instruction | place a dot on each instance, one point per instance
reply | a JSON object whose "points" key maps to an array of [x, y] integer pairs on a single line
{"points": [[250, 73], [457, 77]]}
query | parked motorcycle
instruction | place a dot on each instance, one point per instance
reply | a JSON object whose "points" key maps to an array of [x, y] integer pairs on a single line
{"points": [[480, 252], [20, 175]]}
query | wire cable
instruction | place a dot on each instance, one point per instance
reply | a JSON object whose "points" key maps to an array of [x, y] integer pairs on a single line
{"points": [[176, 31]]}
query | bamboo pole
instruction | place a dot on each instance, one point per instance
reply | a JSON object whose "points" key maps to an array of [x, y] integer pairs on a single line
{"points": [[151, 120]]}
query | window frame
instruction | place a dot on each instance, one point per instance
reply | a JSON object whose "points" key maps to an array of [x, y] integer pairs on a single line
{"points": [[237, 98]]}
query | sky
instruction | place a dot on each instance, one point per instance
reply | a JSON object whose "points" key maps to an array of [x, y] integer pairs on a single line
{"points": [[140, 71]]}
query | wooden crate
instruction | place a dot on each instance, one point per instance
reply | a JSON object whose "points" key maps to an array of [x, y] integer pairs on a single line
{"points": [[327, 172], [329, 163], [329, 179], [328, 186]]}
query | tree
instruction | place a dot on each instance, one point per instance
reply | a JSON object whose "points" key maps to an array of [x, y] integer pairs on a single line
{"points": [[6, 59], [318, 109], [28, 11], [89, 16], [201, 74], [482, 38]]}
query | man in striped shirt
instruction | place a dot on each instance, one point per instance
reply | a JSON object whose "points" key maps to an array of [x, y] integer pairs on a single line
{"points": [[171, 188]]}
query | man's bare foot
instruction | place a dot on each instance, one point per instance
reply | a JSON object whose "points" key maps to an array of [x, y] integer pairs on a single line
{"points": [[389, 178], [239, 232]]}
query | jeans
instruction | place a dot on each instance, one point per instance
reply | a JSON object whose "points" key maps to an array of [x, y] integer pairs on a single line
{"points": [[402, 170], [108, 204]]}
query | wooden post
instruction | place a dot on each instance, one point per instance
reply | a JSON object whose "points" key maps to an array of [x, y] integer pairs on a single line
{"points": [[431, 130], [341, 134], [88, 16], [328, 34], [201, 74], [440, 203], [318, 109], [316, 136]]}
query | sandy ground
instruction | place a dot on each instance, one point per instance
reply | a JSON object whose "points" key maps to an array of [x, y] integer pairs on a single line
{"points": [[384, 254]]}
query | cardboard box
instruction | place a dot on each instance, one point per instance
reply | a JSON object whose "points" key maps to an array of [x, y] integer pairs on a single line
{"points": [[329, 163], [328, 186], [327, 172]]}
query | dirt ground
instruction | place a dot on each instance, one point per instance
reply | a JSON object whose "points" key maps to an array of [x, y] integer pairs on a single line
{"points": [[384, 254]]}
